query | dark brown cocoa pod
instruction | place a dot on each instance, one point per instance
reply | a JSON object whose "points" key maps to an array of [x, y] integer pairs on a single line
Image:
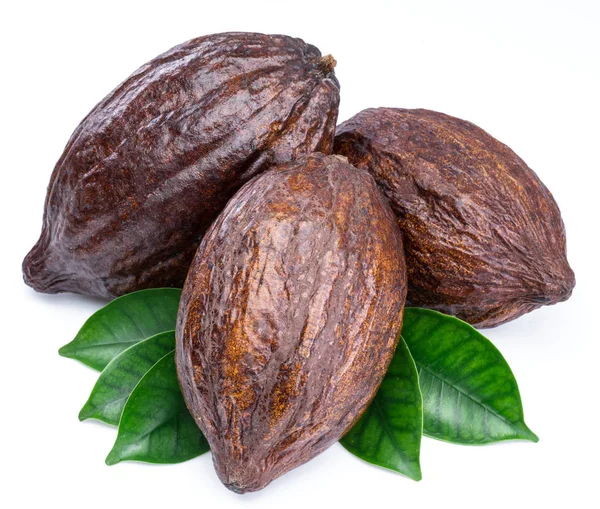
{"points": [[289, 317], [483, 236], [153, 164]]}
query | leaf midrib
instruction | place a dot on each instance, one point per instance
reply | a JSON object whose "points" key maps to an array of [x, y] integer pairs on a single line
{"points": [[146, 434], [386, 427], [100, 345], [487, 407]]}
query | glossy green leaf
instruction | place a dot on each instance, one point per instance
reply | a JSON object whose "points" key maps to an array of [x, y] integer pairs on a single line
{"points": [[122, 323], [156, 426], [389, 433], [122, 374], [470, 395]]}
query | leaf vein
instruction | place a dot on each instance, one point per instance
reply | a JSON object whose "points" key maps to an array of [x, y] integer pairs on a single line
{"points": [[481, 403]]}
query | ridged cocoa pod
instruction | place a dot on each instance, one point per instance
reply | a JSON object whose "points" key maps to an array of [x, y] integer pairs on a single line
{"points": [[483, 236], [153, 164], [289, 317]]}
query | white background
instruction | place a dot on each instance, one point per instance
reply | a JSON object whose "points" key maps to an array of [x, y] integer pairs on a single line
{"points": [[526, 71]]}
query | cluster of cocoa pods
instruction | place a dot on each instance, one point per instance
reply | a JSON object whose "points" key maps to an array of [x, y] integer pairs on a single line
{"points": [[218, 167]]}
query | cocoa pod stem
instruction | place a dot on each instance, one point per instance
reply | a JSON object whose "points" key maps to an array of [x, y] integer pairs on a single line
{"points": [[327, 64]]}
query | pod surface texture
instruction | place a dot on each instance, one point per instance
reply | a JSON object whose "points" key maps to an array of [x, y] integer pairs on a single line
{"points": [[153, 164], [289, 317], [483, 236]]}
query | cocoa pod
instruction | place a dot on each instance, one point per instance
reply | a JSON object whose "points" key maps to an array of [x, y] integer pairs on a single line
{"points": [[153, 164], [484, 239], [289, 317]]}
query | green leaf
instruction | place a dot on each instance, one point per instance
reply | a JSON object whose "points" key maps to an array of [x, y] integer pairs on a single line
{"points": [[156, 426], [389, 433], [122, 374], [470, 395], [122, 323]]}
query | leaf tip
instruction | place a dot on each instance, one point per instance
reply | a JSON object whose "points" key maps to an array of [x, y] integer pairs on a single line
{"points": [[113, 458], [526, 434], [417, 476], [65, 351], [84, 413], [413, 472], [532, 437]]}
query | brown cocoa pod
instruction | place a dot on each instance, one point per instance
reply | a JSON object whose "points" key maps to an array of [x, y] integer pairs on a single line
{"points": [[289, 317], [153, 164], [483, 236]]}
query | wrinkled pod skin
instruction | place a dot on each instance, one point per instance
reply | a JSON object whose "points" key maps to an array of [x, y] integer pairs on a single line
{"points": [[153, 164], [484, 239], [289, 317]]}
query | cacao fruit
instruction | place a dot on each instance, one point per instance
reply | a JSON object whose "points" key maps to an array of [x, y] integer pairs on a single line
{"points": [[483, 236], [153, 164], [289, 317]]}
